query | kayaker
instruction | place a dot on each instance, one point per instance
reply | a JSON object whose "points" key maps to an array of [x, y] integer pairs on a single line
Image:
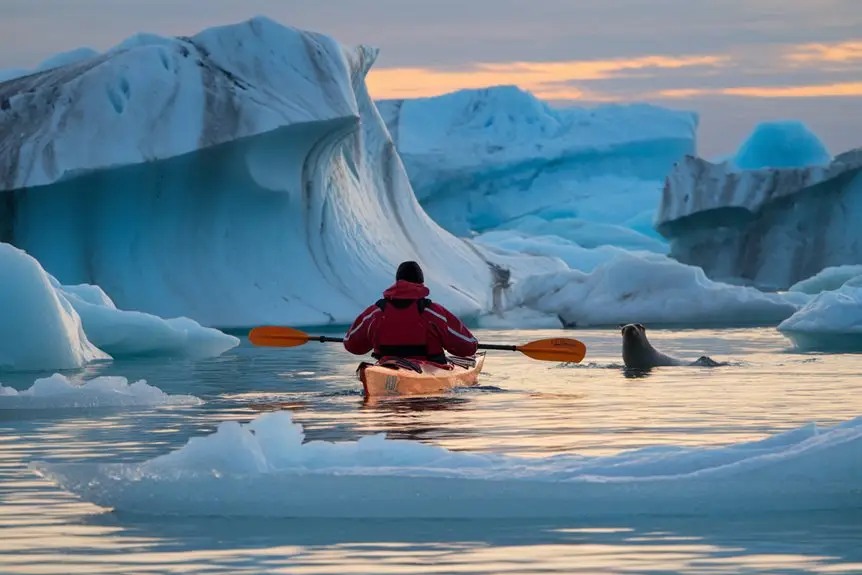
{"points": [[405, 323]]}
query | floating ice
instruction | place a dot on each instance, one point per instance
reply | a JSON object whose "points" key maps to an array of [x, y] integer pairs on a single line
{"points": [[827, 279], [58, 392], [586, 233], [50, 326], [651, 288], [263, 468], [575, 256], [831, 321], [39, 328], [131, 333]]}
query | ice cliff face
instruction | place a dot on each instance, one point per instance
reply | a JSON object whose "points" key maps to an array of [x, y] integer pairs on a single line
{"points": [[769, 227], [238, 177]]}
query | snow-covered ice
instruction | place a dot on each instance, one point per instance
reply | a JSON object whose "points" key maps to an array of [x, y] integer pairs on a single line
{"points": [[651, 288], [249, 179], [831, 321], [58, 392], [480, 158], [263, 468], [769, 227], [50, 326]]}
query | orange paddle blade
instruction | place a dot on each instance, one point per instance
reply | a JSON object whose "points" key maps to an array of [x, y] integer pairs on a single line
{"points": [[563, 349], [277, 336]]}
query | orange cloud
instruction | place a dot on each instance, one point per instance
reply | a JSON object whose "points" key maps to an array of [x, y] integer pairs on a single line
{"points": [[547, 80], [812, 53], [812, 91]]}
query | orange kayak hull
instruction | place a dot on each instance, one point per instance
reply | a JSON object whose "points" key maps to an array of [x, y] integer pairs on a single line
{"points": [[385, 381]]}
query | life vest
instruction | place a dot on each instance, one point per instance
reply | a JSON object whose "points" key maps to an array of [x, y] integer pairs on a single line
{"points": [[402, 329]]}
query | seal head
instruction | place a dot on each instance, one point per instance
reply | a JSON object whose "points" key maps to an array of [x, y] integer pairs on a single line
{"points": [[638, 352]]}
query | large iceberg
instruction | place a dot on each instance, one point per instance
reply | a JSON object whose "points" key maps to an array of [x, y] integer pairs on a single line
{"points": [[47, 325], [769, 227], [265, 469], [248, 179], [481, 158]]}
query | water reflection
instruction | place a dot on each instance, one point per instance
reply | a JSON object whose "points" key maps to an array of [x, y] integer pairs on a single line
{"points": [[524, 407], [766, 544]]}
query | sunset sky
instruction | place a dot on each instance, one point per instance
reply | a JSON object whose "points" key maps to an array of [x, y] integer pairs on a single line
{"points": [[736, 62]]}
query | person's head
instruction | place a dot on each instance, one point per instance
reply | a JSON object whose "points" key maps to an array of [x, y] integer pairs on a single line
{"points": [[410, 272]]}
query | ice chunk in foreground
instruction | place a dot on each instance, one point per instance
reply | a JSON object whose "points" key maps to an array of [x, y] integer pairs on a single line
{"points": [[770, 227], [242, 176], [788, 144], [827, 279], [39, 328], [263, 468], [479, 158], [832, 321], [58, 392], [651, 288]]}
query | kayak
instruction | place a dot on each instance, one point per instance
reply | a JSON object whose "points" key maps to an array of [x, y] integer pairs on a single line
{"points": [[399, 376]]}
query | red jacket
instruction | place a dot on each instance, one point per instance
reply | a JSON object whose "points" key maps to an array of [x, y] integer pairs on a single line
{"points": [[407, 324]]}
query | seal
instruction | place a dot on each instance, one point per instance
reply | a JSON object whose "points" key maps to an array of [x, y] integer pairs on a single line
{"points": [[638, 352]]}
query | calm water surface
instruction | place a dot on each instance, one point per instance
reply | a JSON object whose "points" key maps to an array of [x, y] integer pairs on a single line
{"points": [[524, 408]]}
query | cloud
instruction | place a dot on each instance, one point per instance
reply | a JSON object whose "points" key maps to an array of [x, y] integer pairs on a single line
{"points": [[549, 80], [841, 53], [842, 89]]}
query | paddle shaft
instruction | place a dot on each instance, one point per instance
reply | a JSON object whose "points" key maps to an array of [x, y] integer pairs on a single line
{"points": [[551, 349], [324, 339]]}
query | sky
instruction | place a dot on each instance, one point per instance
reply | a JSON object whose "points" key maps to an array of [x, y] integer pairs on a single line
{"points": [[735, 62]]}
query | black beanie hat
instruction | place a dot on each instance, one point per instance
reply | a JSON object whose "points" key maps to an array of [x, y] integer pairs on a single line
{"points": [[411, 272]]}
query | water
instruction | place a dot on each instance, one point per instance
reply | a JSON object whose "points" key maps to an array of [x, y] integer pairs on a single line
{"points": [[523, 408]]}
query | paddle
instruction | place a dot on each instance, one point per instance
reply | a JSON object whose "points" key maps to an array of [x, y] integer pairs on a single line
{"points": [[562, 349]]}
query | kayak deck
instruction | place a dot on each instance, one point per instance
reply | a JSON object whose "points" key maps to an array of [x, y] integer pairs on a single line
{"points": [[397, 377]]}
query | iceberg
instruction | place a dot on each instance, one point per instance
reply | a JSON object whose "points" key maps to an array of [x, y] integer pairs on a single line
{"points": [[47, 325], [575, 256], [249, 180], [651, 289], [132, 333], [830, 322], [587, 234], [40, 329], [480, 158], [59, 392], [787, 144], [265, 469], [768, 227]]}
